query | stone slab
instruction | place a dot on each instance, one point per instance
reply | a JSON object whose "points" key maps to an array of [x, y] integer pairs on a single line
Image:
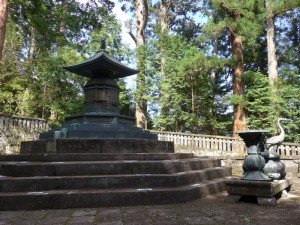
{"points": [[257, 188], [42, 183], [90, 198], [50, 157], [97, 146], [27, 169], [264, 191]]}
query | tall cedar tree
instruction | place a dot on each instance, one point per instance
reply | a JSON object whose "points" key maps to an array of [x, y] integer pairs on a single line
{"points": [[272, 10], [164, 29], [239, 113], [3, 21], [141, 13]]}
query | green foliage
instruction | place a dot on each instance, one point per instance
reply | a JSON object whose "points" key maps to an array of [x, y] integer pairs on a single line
{"points": [[127, 106], [257, 100], [43, 36], [57, 93], [187, 89], [258, 103], [13, 77], [289, 102]]}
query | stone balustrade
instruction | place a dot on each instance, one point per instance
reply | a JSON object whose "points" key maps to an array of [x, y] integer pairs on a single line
{"points": [[23, 128], [14, 129], [210, 145], [30, 124], [289, 149]]}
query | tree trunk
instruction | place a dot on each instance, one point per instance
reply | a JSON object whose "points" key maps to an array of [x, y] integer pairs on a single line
{"points": [[164, 24], [193, 100], [32, 43], [62, 21], [3, 21], [239, 115], [164, 28], [213, 71], [141, 11], [44, 101], [272, 60], [213, 129]]}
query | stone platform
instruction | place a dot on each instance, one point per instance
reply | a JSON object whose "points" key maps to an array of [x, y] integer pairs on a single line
{"points": [[84, 173], [82, 145], [265, 192]]}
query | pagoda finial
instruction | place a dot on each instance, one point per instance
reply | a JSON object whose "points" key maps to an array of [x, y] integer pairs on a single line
{"points": [[103, 43]]}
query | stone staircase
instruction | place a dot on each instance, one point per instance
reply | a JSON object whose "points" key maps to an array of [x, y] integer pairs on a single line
{"points": [[68, 173]]}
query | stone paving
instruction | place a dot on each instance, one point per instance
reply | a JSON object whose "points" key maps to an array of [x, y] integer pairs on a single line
{"points": [[209, 210]]}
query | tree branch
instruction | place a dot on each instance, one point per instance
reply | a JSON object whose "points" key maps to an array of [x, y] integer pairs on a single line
{"points": [[231, 12], [132, 36], [277, 13], [145, 15]]}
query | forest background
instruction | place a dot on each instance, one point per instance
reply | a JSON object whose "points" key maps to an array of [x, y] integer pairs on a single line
{"points": [[205, 66]]}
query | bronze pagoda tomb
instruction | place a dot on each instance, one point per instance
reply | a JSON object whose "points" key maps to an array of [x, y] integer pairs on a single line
{"points": [[101, 117]]}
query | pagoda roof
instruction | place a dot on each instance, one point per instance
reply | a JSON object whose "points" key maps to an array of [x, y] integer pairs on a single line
{"points": [[101, 65]]}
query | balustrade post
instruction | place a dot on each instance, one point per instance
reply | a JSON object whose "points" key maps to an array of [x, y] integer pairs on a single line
{"points": [[7, 124], [1, 122]]}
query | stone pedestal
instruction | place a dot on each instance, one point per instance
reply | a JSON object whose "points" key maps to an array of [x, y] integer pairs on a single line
{"points": [[265, 191]]}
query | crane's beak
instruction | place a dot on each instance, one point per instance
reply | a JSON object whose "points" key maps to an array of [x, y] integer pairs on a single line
{"points": [[288, 120]]}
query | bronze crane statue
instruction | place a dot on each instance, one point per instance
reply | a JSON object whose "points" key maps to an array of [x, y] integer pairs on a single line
{"points": [[274, 142]]}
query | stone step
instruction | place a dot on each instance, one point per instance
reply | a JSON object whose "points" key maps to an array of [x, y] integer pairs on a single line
{"points": [[92, 198], [95, 157], [42, 183], [96, 146], [73, 168]]}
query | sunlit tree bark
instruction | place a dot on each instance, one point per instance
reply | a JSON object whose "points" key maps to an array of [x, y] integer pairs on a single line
{"points": [[239, 113], [3, 21], [141, 11]]}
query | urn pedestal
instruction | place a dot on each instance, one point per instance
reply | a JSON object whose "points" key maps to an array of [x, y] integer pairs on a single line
{"points": [[261, 172], [254, 162]]}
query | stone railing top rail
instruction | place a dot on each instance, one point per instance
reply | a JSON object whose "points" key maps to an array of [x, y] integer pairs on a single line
{"points": [[195, 135], [21, 117], [291, 144], [211, 136]]}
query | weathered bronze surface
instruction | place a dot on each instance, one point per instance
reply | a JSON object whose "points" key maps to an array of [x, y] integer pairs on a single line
{"points": [[101, 116], [274, 168], [254, 162], [264, 176], [101, 95], [101, 65]]}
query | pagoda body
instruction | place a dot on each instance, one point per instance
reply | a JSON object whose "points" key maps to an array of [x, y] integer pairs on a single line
{"points": [[101, 117]]}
